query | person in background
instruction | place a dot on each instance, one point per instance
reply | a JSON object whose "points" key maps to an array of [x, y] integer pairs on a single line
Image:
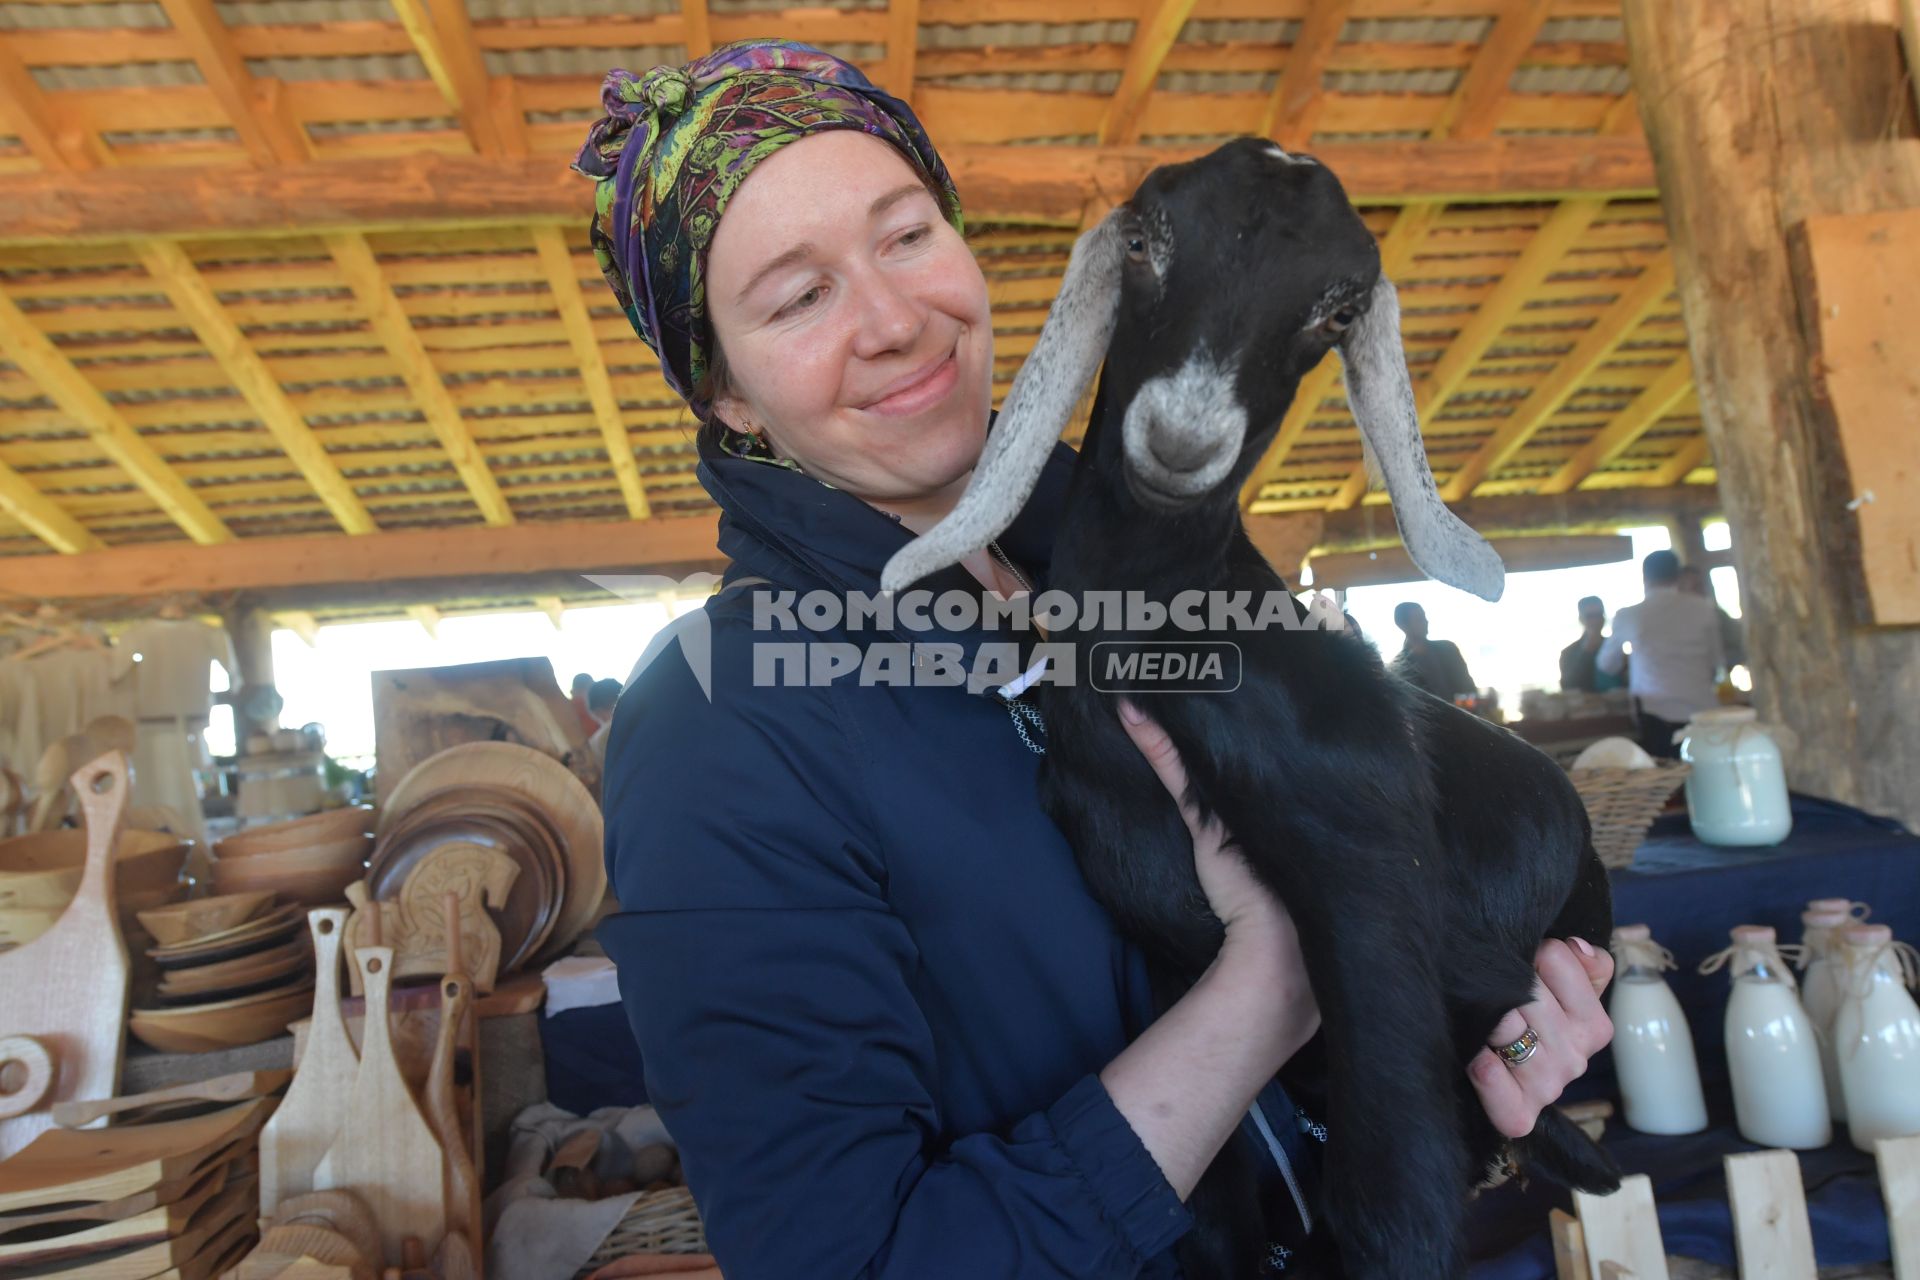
{"points": [[1676, 652], [1733, 636], [1433, 665], [582, 686], [601, 699], [1578, 672]]}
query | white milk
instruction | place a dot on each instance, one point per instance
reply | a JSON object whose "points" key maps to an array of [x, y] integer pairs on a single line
{"points": [[1652, 1043], [1877, 1039], [1820, 990], [1779, 1099]]}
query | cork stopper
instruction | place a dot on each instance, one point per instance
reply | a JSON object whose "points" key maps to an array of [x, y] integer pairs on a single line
{"points": [[1631, 933], [1753, 935], [1867, 936]]}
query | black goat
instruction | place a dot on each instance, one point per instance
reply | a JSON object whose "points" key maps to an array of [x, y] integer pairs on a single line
{"points": [[1423, 852]]}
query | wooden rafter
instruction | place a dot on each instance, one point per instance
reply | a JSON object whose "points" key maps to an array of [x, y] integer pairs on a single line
{"points": [[1607, 333], [1473, 110], [1696, 453], [903, 48], [1297, 95], [207, 42], [24, 112], [697, 28], [389, 321], [554, 607], [41, 515], [189, 292], [1153, 36], [302, 624], [1632, 422], [442, 35], [68, 388], [557, 261], [427, 616]]}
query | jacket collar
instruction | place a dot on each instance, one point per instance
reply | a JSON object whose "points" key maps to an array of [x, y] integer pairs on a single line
{"points": [[783, 525]]}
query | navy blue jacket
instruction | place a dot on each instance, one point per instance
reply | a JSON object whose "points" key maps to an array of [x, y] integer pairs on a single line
{"points": [[871, 991]]}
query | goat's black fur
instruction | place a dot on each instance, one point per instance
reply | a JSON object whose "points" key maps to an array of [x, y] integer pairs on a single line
{"points": [[1423, 852]]}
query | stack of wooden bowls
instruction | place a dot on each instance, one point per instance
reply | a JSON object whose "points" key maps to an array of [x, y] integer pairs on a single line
{"points": [[233, 970], [40, 873], [309, 860], [513, 800]]}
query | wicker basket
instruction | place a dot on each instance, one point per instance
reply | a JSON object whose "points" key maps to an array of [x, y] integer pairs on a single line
{"points": [[1622, 804], [659, 1222]]}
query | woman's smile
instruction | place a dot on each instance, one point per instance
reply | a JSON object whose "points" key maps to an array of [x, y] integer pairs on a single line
{"points": [[918, 391]]}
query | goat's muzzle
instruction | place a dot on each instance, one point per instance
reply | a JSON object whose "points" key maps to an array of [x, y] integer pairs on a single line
{"points": [[1183, 432]]}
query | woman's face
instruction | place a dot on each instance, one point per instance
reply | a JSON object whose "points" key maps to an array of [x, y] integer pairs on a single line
{"points": [[854, 321]]}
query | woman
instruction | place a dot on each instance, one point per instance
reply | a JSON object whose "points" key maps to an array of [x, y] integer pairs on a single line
{"points": [[891, 1031]]}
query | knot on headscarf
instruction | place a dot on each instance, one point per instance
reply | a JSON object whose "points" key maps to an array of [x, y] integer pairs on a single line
{"points": [[677, 142]]}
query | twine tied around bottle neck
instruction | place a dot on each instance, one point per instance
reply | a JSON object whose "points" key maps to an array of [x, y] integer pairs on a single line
{"points": [[1777, 956], [1647, 954], [1899, 957]]}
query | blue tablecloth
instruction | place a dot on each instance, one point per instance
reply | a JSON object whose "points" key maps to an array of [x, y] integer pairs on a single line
{"points": [[1690, 894]]}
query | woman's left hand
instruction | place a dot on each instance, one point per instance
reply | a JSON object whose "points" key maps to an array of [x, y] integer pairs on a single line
{"points": [[1566, 1014]]}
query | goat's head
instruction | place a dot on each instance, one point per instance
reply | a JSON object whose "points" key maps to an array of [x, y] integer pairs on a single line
{"points": [[1210, 294]]}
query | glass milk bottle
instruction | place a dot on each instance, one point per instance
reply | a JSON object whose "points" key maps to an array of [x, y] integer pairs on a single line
{"points": [[1652, 1043], [1821, 984], [1876, 1036], [1778, 1097]]}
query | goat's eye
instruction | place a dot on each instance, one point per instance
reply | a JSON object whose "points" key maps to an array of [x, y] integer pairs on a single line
{"points": [[1137, 248], [1339, 322]]}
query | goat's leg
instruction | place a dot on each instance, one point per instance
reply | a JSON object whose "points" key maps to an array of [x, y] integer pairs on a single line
{"points": [[1396, 1161]]}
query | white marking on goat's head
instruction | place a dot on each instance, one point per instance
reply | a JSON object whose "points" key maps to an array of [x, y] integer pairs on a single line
{"points": [[1280, 154], [1183, 431]]}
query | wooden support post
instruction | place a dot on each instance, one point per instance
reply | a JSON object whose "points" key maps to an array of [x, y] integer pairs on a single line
{"points": [[1689, 541], [251, 629], [1752, 136]]}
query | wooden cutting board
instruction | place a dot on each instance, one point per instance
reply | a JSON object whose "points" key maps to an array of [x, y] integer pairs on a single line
{"points": [[385, 1152], [309, 1118], [66, 991], [230, 1208], [443, 1113], [157, 1223], [63, 1166]]}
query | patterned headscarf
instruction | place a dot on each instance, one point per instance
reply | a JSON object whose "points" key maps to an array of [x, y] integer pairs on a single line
{"points": [[674, 146]]}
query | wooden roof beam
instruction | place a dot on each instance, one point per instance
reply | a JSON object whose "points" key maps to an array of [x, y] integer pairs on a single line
{"points": [[1695, 453], [36, 356], [1632, 422], [442, 34], [25, 113], [1527, 417], [42, 516], [903, 47], [1297, 95], [1154, 33], [1473, 110], [191, 295], [1015, 184], [210, 45], [557, 261], [362, 273]]}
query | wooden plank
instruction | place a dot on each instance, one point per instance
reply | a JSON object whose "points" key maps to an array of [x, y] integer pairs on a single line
{"points": [[1024, 184], [1347, 569], [1569, 1246], [1857, 277], [1625, 427], [362, 273], [903, 48], [1899, 1161], [442, 34], [1583, 511], [578, 546], [565, 284], [55, 374], [41, 515], [1695, 454], [229, 348], [1153, 35], [24, 112], [206, 41], [1473, 111], [1771, 1234], [1623, 1232], [1607, 333], [1299, 94], [697, 28]]}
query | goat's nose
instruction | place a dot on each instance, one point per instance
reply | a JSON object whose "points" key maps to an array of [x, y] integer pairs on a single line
{"points": [[1177, 447]]}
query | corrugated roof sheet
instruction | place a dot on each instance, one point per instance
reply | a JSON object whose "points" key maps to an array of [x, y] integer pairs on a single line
{"points": [[592, 63], [277, 13], [1217, 82], [1610, 81], [940, 35], [1041, 82], [126, 75], [1440, 80], [1239, 31], [53, 17], [371, 67], [1417, 30]]}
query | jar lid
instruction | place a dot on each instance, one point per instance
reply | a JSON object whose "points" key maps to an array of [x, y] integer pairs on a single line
{"points": [[1725, 715], [1631, 933], [1869, 935], [1752, 933]]}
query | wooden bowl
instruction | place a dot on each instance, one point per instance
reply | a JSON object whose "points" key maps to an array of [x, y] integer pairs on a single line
{"points": [[276, 964], [270, 929], [307, 887], [328, 826], [43, 869], [21, 925], [223, 1024], [186, 921]]}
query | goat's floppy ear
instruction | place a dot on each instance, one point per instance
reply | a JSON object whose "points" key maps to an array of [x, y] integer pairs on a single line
{"points": [[1065, 358], [1380, 393]]}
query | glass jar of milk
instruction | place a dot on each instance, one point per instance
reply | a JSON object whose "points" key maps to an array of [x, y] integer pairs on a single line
{"points": [[1876, 1036], [1778, 1097], [1652, 1043], [1737, 788]]}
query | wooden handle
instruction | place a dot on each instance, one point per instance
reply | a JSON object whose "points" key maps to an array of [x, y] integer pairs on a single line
{"points": [[376, 976], [235, 1087], [26, 1074], [101, 785]]}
